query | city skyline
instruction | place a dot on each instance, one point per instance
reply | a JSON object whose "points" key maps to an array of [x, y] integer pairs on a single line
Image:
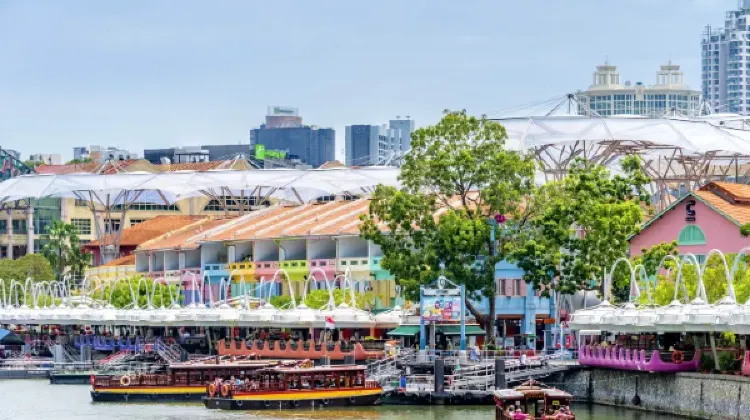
{"points": [[158, 75]]}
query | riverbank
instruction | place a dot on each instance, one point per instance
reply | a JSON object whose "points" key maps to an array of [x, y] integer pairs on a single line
{"points": [[694, 395]]}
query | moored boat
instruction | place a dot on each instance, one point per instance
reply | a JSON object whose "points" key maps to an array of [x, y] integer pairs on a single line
{"points": [[533, 400], [295, 387], [177, 382]]}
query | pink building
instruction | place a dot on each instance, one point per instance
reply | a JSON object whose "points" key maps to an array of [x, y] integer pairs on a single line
{"points": [[700, 221]]}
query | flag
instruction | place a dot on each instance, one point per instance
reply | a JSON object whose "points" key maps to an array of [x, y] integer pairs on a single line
{"points": [[330, 325]]}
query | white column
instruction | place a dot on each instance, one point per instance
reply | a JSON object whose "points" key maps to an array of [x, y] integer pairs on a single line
{"points": [[181, 260], [231, 254], [10, 234], [30, 230]]}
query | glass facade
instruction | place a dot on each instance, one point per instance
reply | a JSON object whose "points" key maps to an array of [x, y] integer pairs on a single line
{"points": [[313, 146]]}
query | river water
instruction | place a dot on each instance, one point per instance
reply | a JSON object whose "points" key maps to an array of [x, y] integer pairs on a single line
{"points": [[37, 399]]}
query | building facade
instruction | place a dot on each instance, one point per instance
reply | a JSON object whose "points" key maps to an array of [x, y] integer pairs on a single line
{"points": [[702, 220], [608, 95], [377, 144], [725, 62], [46, 158], [101, 154], [196, 154]]}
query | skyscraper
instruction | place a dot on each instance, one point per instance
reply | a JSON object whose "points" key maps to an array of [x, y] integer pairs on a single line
{"points": [[284, 131], [377, 144], [726, 62]]}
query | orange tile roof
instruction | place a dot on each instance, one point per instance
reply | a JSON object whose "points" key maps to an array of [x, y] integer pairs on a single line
{"points": [[739, 193], [66, 169], [186, 236], [739, 212], [126, 260], [150, 229], [234, 164]]}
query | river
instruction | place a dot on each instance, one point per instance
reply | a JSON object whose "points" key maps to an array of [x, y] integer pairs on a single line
{"points": [[36, 399]]}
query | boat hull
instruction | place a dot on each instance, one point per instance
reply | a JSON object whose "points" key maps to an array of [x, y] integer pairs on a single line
{"points": [[148, 394], [70, 379], [292, 403]]}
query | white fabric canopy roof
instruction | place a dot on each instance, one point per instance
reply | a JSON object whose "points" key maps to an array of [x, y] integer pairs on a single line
{"points": [[172, 186], [693, 136]]}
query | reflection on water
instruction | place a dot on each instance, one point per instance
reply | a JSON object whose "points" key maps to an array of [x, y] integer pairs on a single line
{"points": [[39, 400]]}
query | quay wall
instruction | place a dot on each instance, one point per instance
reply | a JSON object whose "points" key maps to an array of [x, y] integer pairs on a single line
{"points": [[694, 395]]}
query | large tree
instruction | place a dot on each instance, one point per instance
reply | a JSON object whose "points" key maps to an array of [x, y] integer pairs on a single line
{"points": [[63, 249], [581, 226], [458, 177]]}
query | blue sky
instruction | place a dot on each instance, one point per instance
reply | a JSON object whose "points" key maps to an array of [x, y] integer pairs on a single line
{"points": [[142, 74]]}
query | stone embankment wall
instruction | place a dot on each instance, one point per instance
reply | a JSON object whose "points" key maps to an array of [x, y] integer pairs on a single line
{"points": [[688, 394]]}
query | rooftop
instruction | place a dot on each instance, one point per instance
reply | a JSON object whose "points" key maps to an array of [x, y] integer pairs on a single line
{"points": [[733, 200], [149, 229], [139, 165], [185, 236]]}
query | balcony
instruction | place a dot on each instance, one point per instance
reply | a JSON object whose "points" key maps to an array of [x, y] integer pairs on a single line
{"points": [[328, 266], [378, 271], [297, 269], [357, 264], [266, 269]]}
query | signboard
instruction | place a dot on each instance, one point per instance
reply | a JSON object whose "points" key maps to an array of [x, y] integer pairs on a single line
{"points": [[282, 110], [260, 151], [441, 308]]}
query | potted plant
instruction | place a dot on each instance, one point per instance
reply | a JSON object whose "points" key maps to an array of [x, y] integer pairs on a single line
{"points": [[727, 362], [707, 363]]}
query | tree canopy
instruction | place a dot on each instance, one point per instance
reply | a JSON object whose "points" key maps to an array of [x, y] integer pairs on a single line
{"points": [[63, 249], [142, 289], [650, 259], [459, 173], [317, 299]]}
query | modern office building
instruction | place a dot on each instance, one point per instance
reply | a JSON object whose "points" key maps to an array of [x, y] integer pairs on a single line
{"points": [[725, 54], [377, 144], [608, 95], [284, 131]]}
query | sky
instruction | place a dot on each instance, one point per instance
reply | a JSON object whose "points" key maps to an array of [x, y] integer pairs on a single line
{"points": [[146, 74]]}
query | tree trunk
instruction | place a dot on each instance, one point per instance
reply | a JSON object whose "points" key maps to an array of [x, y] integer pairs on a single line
{"points": [[480, 317]]}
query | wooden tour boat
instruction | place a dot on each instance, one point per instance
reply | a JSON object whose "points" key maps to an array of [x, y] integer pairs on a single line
{"points": [[179, 381], [302, 386], [533, 400]]}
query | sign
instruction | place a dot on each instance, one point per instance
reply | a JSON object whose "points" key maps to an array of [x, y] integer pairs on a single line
{"points": [[262, 154], [260, 151], [282, 110], [689, 211], [441, 308]]}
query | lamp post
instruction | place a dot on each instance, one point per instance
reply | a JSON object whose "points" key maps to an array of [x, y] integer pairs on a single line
{"points": [[494, 222]]}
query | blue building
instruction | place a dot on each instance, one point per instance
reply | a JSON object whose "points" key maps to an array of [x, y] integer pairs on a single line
{"points": [[522, 316], [313, 146], [374, 144]]}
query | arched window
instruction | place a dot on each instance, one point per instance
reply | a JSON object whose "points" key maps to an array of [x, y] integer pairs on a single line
{"points": [[691, 235]]}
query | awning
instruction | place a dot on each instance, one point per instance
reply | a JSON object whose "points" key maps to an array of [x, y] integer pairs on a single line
{"points": [[456, 330], [404, 331]]}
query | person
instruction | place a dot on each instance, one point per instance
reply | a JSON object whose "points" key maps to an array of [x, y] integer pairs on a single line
{"points": [[519, 415], [522, 360]]}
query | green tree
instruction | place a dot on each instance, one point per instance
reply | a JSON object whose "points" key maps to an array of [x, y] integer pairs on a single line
{"points": [[650, 258], [30, 265], [79, 161], [745, 230], [317, 299], [459, 173], [142, 289], [582, 226], [63, 249]]}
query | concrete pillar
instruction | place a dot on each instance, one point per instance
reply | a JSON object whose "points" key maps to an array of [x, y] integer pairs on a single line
{"points": [[181, 260], [439, 375], [10, 234], [231, 250], [529, 316], [30, 230], [500, 382]]}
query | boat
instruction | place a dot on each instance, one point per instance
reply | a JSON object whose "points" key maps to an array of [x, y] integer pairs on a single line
{"points": [[184, 381], [536, 400], [301, 386]]}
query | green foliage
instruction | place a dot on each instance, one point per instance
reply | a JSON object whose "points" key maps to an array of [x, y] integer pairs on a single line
{"points": [[707, 362], [142, 289], [745, 230], [317, 299], [728, 339], [30, 265], [714, 280], [79, 161], [589, 214], [650, 258], [460, 172], [727, 362], [63, 249], [32, 163]]}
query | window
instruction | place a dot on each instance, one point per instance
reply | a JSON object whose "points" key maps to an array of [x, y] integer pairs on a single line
{"points": [[142, 205], [111, 226], [234, 203], [134, 222], [19, 227], [691, 235], [83, 226], [81, 203]]}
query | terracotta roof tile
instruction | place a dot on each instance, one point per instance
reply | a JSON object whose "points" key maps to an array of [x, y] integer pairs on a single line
{"points": [[150, 229], [186, 236], [126, 260], [737, 192], [233, 164], [66, 169], [739, 212]]}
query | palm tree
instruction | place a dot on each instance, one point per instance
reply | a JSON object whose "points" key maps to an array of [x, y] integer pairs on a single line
{"points": [[62, 249]]}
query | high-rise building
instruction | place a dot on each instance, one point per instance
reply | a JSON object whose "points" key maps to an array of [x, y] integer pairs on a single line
{"points": [[102, 154], [377, 144], [194, 154], [309, 144], [46, 158], [607, 96], [726, 62]]}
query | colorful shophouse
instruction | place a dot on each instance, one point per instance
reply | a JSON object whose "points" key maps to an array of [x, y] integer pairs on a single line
{"points": [[702, 220], [313, 243]]}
